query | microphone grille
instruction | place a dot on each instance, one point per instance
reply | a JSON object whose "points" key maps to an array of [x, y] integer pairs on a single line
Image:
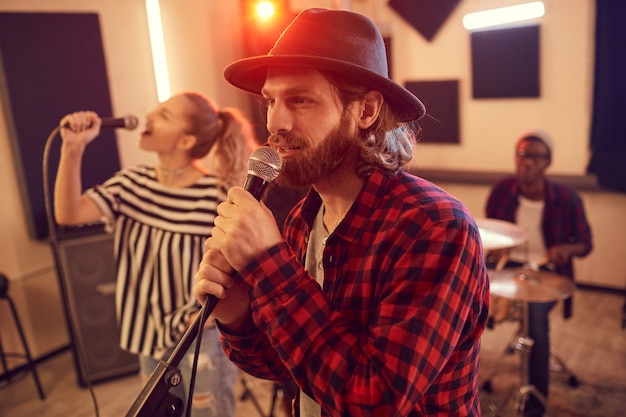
{"points": [[131, 122], [265, 163]]}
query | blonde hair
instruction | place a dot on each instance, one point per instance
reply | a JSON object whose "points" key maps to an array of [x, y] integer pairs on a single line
{"points": [[226, 133]]}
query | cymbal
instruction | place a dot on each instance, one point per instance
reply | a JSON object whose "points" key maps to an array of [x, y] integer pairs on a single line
{"points": [[529, 285], [500, 234]]}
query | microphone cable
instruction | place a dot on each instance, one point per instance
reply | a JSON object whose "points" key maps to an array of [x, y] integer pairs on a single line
{"points": [[192, 382], [63, 262]]}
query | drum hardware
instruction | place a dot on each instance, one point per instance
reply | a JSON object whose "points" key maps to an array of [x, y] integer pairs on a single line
{"points": [[522, 344], [524, 285], [561, 367], [500, 308], [499, 234]]}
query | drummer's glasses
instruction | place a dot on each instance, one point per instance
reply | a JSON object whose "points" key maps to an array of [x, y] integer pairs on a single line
{"points": [[535, 157]]}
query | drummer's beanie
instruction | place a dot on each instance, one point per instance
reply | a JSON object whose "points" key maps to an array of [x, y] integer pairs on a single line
{"points": [[541, 135]]}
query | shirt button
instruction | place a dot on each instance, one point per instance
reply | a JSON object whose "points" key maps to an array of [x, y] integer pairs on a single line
{"points": [[320, 265]]}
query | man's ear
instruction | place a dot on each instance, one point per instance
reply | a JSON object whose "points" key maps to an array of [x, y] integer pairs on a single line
{"points": [[370, 108]]}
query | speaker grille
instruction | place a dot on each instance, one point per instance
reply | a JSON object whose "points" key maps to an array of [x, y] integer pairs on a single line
{"points": [[86, 269]]}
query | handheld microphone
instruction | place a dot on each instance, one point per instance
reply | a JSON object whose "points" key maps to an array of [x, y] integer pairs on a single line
{"points": [[129, 122], [264, 165]]}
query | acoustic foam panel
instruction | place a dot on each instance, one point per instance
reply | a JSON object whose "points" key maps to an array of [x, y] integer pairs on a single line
{"points": [[52, 64], [426, 16], [505, 62], [441, 98]]}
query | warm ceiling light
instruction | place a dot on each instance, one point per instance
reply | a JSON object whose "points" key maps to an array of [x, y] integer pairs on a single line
{"points": [[265, 9], [503, 15], [159, 61]]}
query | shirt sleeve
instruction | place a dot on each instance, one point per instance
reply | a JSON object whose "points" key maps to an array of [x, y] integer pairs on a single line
{"points": [[106, 197], [582, 230]]}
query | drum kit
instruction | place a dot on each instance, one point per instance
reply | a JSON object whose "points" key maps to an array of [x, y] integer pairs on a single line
{"points": [[526, 283], [521, 286]]}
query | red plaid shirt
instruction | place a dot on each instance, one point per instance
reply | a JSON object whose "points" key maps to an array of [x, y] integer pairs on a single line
{"points": [[396, 329]]}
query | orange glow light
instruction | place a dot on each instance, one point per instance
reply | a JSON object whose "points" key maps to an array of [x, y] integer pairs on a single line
{"points": [[265, 9]]}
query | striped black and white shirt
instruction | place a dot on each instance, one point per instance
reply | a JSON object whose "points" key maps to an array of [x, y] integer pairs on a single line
{"points": [[159, 242]]}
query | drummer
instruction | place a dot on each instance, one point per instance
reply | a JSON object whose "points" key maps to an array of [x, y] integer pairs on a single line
{"points": [[558, 230]]}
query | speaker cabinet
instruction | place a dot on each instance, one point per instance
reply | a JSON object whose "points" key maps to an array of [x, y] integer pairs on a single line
{"points": [[86, 270]]}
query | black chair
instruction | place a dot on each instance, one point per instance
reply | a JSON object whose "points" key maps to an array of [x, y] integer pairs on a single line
{"points": [[10, 375]]}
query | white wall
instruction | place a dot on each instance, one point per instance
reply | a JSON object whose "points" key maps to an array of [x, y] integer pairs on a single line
{"points": [[202, 36]]}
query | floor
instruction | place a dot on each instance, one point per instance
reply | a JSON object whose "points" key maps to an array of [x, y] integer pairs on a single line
{"points": [[590, 378], [592, 345]]}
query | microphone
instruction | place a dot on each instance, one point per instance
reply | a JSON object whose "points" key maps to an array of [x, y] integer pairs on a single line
{"points": [[263, 167], [129, 122]]}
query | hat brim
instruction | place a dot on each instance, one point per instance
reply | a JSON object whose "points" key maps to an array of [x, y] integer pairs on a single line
{"points": [[249, 74]]}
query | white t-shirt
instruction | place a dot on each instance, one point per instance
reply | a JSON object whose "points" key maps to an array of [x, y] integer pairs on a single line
{"points": [[313, 263], [529, 216]]}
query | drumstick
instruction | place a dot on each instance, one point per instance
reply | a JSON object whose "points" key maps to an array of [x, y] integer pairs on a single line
{"points": [[545, 262], [502, 261]]}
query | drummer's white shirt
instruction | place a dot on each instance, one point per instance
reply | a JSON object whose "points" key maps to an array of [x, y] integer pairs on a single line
{"points": [[529, 216]]}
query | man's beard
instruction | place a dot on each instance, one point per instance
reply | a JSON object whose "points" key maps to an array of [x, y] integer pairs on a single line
{"points": [[314, 164]]}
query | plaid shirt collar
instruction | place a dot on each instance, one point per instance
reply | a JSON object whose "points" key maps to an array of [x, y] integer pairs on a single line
{"points": [[374, 191]]}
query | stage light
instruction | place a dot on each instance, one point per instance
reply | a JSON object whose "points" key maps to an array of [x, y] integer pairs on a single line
{"points": [[265, 9], [264, 20], [503, 15], [159, 61]]}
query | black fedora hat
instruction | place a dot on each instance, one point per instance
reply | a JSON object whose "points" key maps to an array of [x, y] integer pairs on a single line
{"points": [[340, 41]]}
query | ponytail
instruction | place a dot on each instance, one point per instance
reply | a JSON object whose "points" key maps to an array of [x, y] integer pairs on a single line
{"points": [[226, 133], [235, 143]]}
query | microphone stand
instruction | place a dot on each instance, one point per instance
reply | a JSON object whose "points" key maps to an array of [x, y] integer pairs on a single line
{"points": [[155, 400]]}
